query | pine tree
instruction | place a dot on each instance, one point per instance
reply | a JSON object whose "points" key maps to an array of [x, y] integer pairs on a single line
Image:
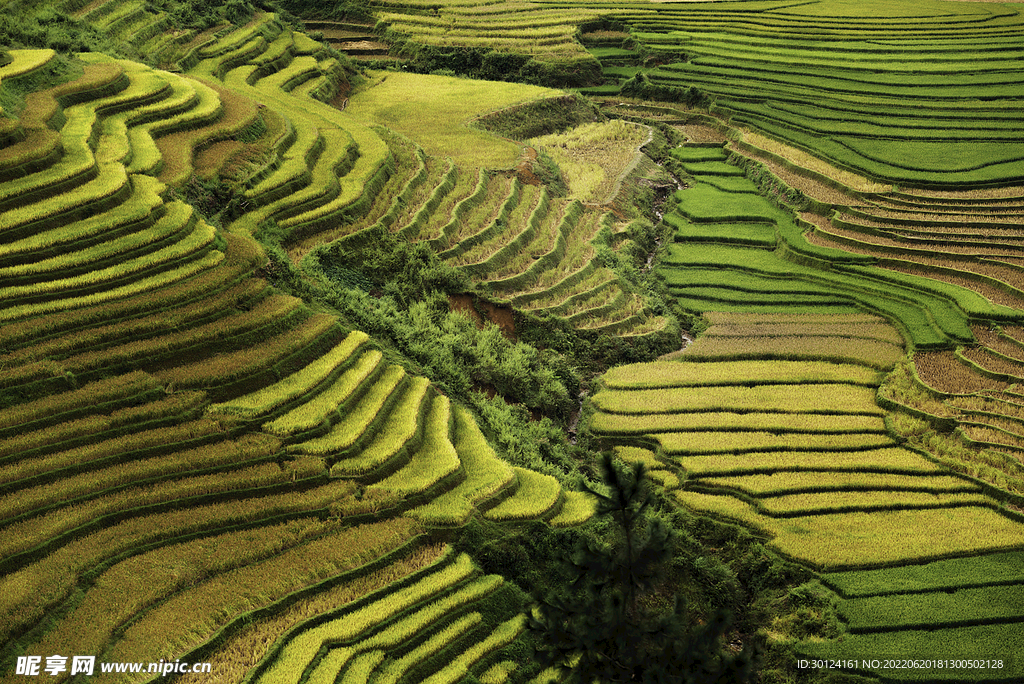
{"points": [[597, 629]]}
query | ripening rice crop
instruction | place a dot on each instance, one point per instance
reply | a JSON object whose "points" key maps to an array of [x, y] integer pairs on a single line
{"points": [[871, 353], [883, 460], [193, 616], [610, 423], [577, 508], [817, 398], [355, 422], [684, 444], [295, 385], [790, 505], [538, 494], [701, 374], [486, 476], [776, 484], [843, 540], [241, 652], [303, 645], [310, 414]]}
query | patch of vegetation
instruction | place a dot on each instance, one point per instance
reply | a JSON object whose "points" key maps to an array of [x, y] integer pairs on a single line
{"points": [[542, 117]]}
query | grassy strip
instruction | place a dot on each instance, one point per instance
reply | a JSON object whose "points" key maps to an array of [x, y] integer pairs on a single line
{"points": [[488, 256], [396, 438], [753, 234], [78, 165], [991, 569], [538, 496], [617, 424], [684, 444], [780, 484], [993, 647], [423, 619], [195, 244], [806, 398], [302, 643], [267, 316], [486, 476], [796, 505], [178, 148], [51, 466], [104, 186], [190, 618], [364, 176], [142, 285], [873, 354], [871, 331], [326, 403], [124, 486], [445, 193], [859, 539], [295, 385], [25, 61], [884, 460], [29, 592], [482, 219], [927, 610], [435, 460], [490, 225], [358, 420], [659, 374], [115, 249], [435, 111], [532, 264]]}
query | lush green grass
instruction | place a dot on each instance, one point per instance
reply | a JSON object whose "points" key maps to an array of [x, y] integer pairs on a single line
{"points": [[991, 569], [987, 652], [436, 112], [959, 607]]}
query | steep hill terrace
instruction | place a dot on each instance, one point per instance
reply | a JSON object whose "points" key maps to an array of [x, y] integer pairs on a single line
{"points": [[752, 424], [821, 77], [187, 452]]}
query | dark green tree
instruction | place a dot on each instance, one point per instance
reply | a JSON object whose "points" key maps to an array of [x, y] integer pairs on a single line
{"points": [[601, 627]]}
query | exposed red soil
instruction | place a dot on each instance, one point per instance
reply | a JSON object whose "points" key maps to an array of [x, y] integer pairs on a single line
{"points": [[525, 167], [499, 315]]}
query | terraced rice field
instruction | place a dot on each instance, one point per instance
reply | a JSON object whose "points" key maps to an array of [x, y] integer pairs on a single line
{"points": [[792, 443], [196, 466], [821, 77]]}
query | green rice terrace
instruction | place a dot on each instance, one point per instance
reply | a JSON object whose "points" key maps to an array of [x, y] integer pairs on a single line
{"points": [[526, 341]]}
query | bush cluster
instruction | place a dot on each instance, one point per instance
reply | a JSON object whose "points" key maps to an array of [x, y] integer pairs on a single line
{"points": [[642, 88], [492, 65]]}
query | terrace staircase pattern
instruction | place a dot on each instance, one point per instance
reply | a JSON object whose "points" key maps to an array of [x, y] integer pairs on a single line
{"points": [[784, 435], [189, 454], [877, 508], [825, 81]]}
